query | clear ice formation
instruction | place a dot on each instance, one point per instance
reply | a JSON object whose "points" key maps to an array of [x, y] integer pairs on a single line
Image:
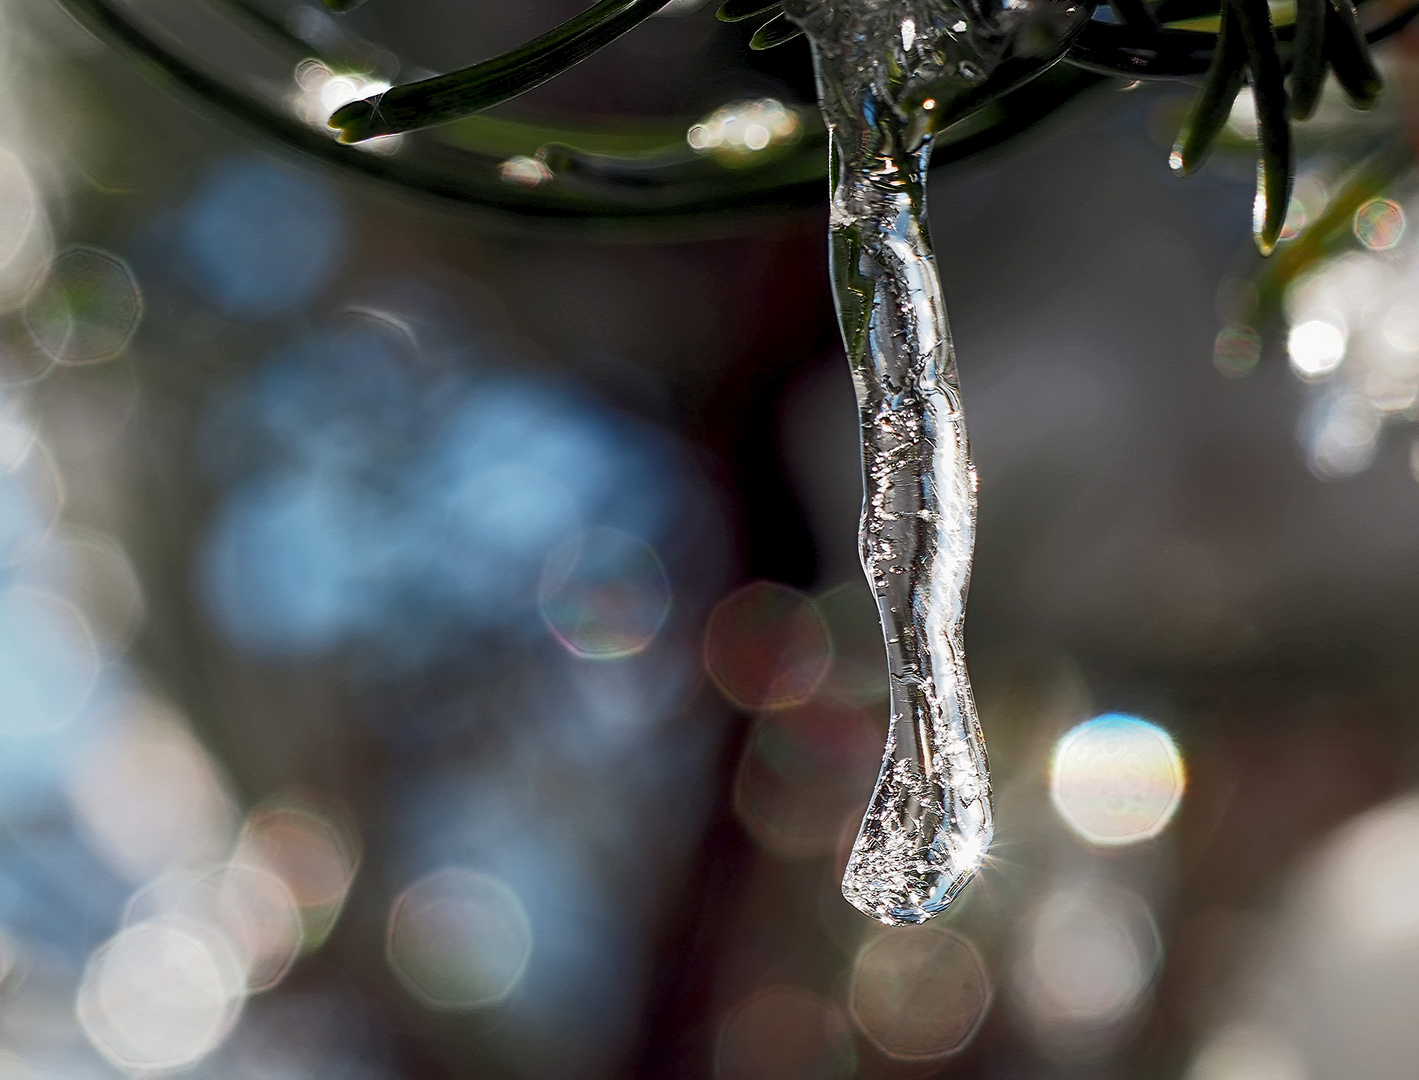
{"points": [[890, 74]]}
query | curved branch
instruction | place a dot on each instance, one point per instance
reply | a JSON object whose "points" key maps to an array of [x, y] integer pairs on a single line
{"points": [[602, 190]]}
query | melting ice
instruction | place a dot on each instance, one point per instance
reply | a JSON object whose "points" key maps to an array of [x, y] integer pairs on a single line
{"points": [[890, 74]]}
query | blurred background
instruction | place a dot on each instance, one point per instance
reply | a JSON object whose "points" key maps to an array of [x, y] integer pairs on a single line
{"points": [[432, 645]]}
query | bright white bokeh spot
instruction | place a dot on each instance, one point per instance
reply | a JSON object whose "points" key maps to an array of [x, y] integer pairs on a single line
{"points": [[321, 90], [1088, 962], [17, 434], [1116, 780], [1371, 875], [342, 89], [1316, 348], [257, 913], [247, 906], [147, 796], [19, 207], [157, 996], [459, 940], [743, 128], [1399, 326], [1245, 1051]]}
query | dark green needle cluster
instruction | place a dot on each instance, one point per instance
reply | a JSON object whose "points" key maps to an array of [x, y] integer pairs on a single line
{"points": [[777, 30], [1326, 34]]}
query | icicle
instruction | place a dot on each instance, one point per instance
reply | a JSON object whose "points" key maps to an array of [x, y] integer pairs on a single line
{"points": [[890, 72]]}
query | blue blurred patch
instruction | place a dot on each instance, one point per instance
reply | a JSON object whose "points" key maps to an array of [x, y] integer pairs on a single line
{"points": [[260, 240], [283, 568], [375, 499], [585, 971]]}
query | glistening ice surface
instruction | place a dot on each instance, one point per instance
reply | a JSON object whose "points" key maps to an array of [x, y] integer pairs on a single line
{"points": [[889, 73]]}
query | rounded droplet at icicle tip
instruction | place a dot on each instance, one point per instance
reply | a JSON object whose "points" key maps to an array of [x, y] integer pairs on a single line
{"points": [[919, 994], [767, 647], [1116, 780], [604, 594]]}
